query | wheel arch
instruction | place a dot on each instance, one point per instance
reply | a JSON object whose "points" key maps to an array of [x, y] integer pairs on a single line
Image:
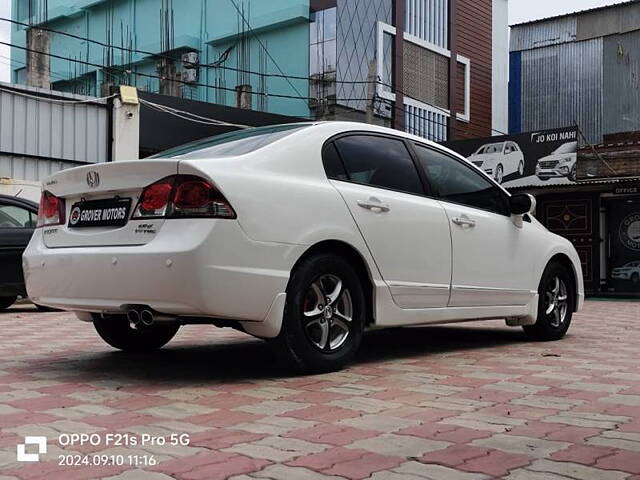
{"points": [[355, 258], [566, 262]]}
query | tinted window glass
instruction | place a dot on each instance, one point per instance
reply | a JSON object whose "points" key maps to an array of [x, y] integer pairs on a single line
{"points": [[333, 164], [455, 182], [15, 217], [380, 162], [238, 142]]}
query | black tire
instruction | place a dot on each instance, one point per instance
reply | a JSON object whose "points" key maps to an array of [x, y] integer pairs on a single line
{"points": [[573, 174], [554, 325], [295, 344], [521, 168], [6, 302], [499, 178], [115, 330]]}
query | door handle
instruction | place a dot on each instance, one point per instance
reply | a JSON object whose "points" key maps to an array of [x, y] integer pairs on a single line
{"points": [[464, 222], [374, 204]]}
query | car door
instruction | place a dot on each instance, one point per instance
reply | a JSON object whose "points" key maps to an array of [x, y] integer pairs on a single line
{"points": [[406, 232], [16, 227], [493, 256]]}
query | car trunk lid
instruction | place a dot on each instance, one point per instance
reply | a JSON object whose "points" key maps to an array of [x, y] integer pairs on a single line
{"points": [[98, 196]]}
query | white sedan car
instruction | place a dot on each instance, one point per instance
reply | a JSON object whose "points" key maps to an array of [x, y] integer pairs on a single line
{"points": [[303, 234]]}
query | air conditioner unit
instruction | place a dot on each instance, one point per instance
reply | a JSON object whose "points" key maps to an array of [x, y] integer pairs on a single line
{"points": [[190, 75], [190, 59]]}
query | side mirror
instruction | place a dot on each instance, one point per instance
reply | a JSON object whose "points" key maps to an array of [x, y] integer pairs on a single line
{"points": [[522, 203]]}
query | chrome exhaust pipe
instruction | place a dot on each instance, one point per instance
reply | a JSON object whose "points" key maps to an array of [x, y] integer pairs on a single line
{"points": [[134, 318], [146, 317]]}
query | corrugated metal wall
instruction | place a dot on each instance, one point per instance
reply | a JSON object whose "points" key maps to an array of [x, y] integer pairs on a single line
{"points": [[621, 110], [562, 86], [429, 20], [39, 136], [426, 123], [543, 34]]}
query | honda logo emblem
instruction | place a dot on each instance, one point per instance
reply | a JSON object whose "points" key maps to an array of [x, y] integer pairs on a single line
{"points": [[93, 179]]}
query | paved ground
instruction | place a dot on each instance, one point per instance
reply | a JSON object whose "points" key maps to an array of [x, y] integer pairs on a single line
{"points": [[463, 402]]}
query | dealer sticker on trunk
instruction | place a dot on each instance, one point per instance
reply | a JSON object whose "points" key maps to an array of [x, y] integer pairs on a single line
{"points": [[111, 212]]}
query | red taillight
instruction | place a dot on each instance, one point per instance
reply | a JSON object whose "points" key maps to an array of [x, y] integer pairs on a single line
{"points": [[182, 196], [51, 210], [156, 197]]}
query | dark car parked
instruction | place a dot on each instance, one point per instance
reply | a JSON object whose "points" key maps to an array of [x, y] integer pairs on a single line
{"points": [[18, 218]]}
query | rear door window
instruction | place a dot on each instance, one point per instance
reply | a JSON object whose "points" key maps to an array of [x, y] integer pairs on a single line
{"points": [[380, 162]]}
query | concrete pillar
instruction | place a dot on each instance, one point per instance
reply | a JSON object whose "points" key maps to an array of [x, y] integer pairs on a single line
{"points": [[168, 75], [126, 125], [244, 97], [38, 60]]}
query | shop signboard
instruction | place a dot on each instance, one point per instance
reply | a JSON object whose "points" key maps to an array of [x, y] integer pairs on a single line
{"points": [[525, 160]]}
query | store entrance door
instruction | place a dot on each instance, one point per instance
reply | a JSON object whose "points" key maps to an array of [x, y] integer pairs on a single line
{"points": [[623, 242]]}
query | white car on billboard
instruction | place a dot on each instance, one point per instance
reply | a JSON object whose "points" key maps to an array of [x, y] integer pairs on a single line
{"points": [[630, 271], [560, 164], [302, 234], [499, 160]]}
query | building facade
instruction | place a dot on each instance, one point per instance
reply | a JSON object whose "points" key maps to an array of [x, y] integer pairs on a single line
{"points": [[218, 52], [583, 70], [577, 69], [436, 68], [437, 71]]}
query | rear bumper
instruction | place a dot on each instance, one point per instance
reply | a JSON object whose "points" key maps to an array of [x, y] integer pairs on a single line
{"points": [[191, 268]]}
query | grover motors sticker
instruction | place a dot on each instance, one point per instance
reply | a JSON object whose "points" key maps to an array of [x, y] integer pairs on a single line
{"points": [[100, 213]]}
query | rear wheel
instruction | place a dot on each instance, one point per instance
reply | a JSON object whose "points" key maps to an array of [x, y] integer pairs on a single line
{"points": [[115, 330], [555, 304], [324, 317], [6, 302]]}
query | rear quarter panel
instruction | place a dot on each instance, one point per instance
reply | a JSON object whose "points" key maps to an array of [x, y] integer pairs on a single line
{"points": [[281, 193]]}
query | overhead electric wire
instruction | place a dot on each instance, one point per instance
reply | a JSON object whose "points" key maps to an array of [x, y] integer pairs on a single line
{"points": [[274, 75], [167, 57], [156, 77]]}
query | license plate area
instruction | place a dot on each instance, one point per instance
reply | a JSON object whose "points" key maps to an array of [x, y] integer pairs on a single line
{"points": [[108, 212]]}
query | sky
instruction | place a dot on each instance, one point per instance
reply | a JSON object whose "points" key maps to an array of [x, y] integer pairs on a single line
{"points": [[519, 11]]}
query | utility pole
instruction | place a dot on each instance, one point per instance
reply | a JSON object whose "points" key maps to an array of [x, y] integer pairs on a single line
{"points": [[371, 90]]}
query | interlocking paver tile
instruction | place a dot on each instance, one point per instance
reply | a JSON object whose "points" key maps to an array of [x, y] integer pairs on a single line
{"points": [[463, 402]]}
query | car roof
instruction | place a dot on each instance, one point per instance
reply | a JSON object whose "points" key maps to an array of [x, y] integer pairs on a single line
{"points": [[18, 201]]}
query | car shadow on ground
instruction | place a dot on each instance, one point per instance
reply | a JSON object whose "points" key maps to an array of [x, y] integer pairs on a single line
{"points": [[249, 359]]}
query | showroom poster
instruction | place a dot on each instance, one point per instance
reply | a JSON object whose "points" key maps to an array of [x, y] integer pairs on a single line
{"points": [[528, 159], [624, 244]]}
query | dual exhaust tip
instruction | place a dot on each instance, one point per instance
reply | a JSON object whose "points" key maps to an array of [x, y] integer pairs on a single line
{"points": [[141, 318]]}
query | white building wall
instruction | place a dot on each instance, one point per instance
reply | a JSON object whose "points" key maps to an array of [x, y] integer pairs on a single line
{"points": [[500, 67]]}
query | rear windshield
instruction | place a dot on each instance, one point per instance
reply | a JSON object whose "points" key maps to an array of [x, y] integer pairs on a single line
{"points": [[233, 143]]}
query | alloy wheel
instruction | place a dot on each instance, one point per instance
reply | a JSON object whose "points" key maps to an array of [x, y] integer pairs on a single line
{"points": [[499, 174], [327, 313], [556, 302]]}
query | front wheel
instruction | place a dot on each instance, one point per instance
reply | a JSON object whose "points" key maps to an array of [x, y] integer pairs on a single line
{"points": [[555, 304], [6, 302], [115, 330], [521, 168], [635, 278], [573, 174], [499, 174], [324, 316]]}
